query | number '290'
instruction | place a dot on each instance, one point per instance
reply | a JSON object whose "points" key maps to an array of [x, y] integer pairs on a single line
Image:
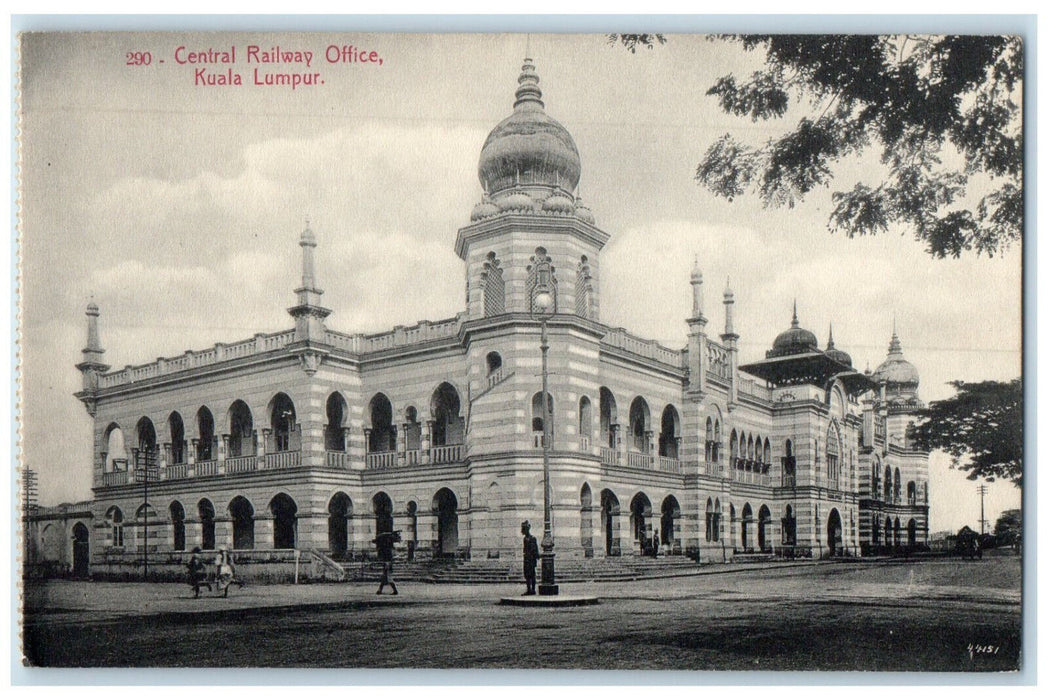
{"points": [[139, 58]]}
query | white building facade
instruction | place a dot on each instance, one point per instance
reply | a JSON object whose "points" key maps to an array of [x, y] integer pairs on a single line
{"points": [[312, 439]]}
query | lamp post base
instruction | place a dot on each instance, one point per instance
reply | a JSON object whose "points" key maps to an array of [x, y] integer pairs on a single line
{"points": [[547, 585]]}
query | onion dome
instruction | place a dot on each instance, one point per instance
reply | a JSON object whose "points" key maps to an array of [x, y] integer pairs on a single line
{"points": [[483, 210], [516, 202], [529, 147], [696, 273], [583, 212], [558, 204], [837, 355], [794, 340], [896, 372]]}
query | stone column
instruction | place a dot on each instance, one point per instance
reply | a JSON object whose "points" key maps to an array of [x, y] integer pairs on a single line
{"points": [[427, 444], [402, 444]]}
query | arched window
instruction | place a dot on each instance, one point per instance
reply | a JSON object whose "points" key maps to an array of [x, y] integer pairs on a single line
{"points": [[178, 526], [115, 522], [767, 455], [447, 423], [898, 486], [833, 451], [206, 513], [145, 435], [789, 466], [494, 362], [608, 418], [709, 520], [585, 423], [640, 425], [716, 441], [758, 453], [282, 423], [241, 430], [494, 286], [243, 516], [382, 435], [541, 274], [116, 451], [583, 289], [177, 430], [536, 417], [205, 435], [335, 431], [285, 521], [669, 435], [709, 439], [412, 432], [716, 520], [340, 509], [733, 450]]}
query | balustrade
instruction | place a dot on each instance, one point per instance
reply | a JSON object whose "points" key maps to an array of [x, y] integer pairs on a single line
{"points": [[114, 478], [608, 455], [207, 468], [338, 460], [639, 460], [174, 471], [584, 443], [446, 454], [381, 460], [669, 464], [238, 465], [283, 460]]}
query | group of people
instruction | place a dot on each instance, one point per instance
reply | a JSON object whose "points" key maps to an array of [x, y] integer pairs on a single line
{"points": [[223, 575]]}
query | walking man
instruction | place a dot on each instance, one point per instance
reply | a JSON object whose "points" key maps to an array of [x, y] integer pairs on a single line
{"points": [[531, 557]]}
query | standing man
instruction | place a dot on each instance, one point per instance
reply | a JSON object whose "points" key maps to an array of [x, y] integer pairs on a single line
{"points": [[384, 542], [531, 557]]}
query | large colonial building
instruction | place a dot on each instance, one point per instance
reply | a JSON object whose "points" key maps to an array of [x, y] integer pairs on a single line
{"points": [[316, 439]]}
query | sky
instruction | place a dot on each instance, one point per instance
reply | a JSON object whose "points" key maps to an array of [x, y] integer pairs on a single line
{"points": [[178, 208]]}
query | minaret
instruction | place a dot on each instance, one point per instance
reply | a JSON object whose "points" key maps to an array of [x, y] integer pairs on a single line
{"points": [[309, 315], [92, 365], [731, 341], [696, 336]]}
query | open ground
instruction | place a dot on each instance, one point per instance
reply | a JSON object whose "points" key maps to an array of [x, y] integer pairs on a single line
{"points": [[895, 615]]}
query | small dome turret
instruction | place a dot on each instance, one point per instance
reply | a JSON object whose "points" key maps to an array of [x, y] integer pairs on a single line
{"points": [[835, 354], [896, 373], [794, 340]]}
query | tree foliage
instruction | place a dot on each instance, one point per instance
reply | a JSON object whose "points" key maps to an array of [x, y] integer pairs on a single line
{"points": [[943, 111], [634, 41], [1009, 526], [981, 428]]}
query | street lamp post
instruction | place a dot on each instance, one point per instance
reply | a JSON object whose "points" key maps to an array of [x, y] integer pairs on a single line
{"points": [[543, 307]]}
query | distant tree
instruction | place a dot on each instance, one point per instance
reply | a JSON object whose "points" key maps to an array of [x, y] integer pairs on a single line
{"points": [[942, 111], [633, 41], [1009, 526], [981, 428]]}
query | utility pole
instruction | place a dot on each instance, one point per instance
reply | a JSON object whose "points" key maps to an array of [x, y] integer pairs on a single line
{"points": [[29, 494], [145, 469], [982, 508]]}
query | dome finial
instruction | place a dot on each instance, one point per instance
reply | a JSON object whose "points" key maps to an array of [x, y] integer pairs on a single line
{"points": [[528, 92], [795, 323], [829, 343]]}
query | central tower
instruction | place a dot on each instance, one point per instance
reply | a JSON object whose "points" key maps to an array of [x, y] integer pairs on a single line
{"points": [[529, 170]]}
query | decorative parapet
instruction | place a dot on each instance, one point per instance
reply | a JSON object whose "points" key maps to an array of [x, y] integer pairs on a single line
{"points": [[220, 352], [749, 387], [718, 361], [621, 339], [263, 343]]}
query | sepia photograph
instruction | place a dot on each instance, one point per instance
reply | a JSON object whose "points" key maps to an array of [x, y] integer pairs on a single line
{"points": [[585, 351]]}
